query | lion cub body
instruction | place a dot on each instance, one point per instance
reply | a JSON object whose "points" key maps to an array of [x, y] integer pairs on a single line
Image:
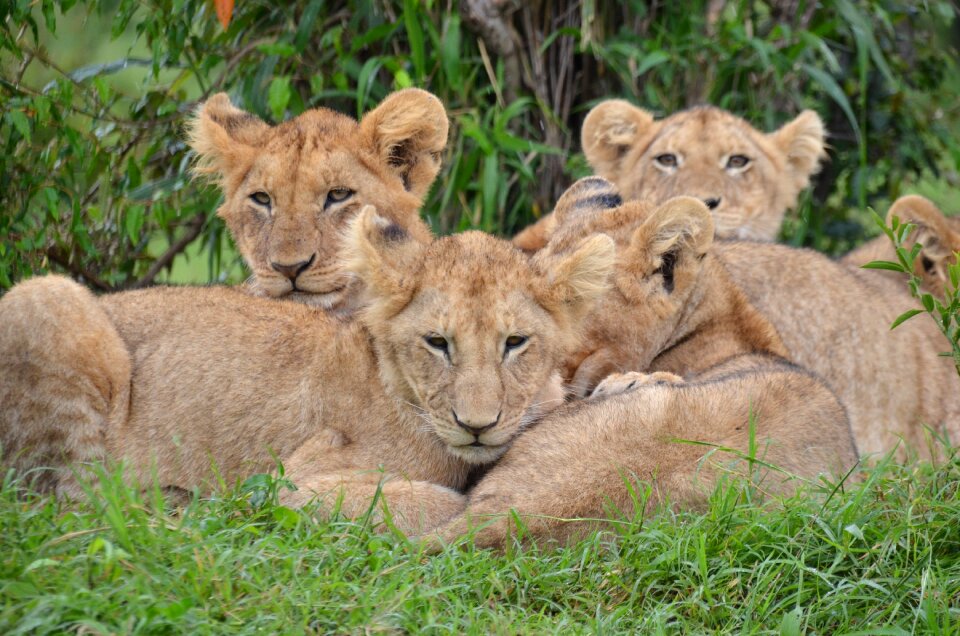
{"points": [[581, 463], [185, 385]]}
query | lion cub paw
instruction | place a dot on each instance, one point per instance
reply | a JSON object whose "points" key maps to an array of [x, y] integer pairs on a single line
{"points": [[617, 383]]}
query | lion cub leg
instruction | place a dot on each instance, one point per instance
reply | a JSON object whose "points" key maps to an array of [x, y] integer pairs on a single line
{"points": [[414, 507], [617, 383], [64, 381]]}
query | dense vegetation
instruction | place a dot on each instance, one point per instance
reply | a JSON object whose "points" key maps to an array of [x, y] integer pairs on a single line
{"points": [[95, 174], [880, 557]]}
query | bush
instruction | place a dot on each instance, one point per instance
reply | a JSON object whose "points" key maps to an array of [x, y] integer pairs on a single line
{"points": [[95, 174]]}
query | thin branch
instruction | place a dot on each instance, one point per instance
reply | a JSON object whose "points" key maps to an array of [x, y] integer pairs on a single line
{"points": [[194, 227], [62, 259]]}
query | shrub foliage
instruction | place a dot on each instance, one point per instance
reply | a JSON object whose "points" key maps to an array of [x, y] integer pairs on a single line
{"points": [[95, 173]]}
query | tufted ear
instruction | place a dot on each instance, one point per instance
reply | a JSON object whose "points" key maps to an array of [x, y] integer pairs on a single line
{"points": [[590, 194], [677, 233], [385, 258], [576, 279], [610, 129], [223, 135], [803, 142], [408, 131], [940, 241]]}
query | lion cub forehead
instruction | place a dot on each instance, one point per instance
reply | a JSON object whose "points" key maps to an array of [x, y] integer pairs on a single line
{"points": [[474, 262], [617, 223], [706, 127], [314, 129]]}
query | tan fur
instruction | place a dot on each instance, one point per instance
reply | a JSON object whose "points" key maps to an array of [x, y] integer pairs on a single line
{"points": [[621, 143], [682, 325], [835, 320], [389, 159], [580, 465], [938, 234], [217, 377]]}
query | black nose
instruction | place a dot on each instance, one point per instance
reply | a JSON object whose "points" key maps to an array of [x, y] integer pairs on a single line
{"points": [[474, 428], [293, 270], [712, 203]]}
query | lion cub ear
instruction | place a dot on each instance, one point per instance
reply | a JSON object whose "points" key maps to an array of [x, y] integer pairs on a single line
{"points": [[676, 234], [610, 129], [589, 194], [223, 136], [576, 279], [384, 257], [408, 132], [940, 242], [803, 142]]}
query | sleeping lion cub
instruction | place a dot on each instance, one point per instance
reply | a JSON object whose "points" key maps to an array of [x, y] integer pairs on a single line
{"points": [[290, 190], [455, 352], [747, 178]]}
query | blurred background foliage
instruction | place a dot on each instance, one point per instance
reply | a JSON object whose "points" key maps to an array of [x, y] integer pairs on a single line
{"points": [[95, 173]]}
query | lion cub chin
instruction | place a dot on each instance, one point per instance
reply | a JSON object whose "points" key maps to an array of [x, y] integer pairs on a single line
{"points": [[747, 178], [290, 190], [454, 353]]}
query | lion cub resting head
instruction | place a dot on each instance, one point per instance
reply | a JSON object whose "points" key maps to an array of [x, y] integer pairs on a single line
{"points": [[289, 190], [747, 178], [471, 331], [938, 234], [672, 307]]}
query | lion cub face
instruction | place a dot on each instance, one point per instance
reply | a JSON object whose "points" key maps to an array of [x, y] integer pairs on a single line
{"points": [[290, 190], [747, 178], [468, 330]]}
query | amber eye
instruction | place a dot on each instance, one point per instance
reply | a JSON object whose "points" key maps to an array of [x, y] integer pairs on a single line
{"points": [[515, 341], [337, 195], [437, 342], [261, 198], [667, 160], [738, 161]]}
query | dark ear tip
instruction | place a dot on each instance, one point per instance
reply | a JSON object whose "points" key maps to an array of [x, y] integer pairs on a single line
{"points": [[393, 233]]}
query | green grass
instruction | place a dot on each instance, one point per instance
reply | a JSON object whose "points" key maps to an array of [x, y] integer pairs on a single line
{"points": [[882, 557]]}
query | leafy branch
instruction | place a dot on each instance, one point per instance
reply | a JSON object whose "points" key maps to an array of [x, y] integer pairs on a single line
{"points": [[945, 311]]}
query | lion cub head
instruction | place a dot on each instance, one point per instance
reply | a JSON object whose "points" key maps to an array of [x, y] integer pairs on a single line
{"points": [[938, 235], [665, 289], [290, 190], [747, 178], [468, 330]]}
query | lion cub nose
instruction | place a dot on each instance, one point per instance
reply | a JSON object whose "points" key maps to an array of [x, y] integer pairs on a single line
{"points": [[473, 427], [712, 203], [293, 270]]}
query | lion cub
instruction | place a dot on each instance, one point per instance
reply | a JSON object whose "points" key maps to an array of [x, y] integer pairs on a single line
{"points": [[747, 178], [290, 190], [455, 352], [938, 234], [579, 465]]}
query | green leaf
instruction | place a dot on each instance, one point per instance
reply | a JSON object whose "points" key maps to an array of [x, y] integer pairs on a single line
{"points": [[52, 198], [411, 20], [905, 316], [133, 222], [41, 563], [20, 122], [927, 301], [894, 267], [832, 89], [790, 624], [278, 96], [280, 49]]}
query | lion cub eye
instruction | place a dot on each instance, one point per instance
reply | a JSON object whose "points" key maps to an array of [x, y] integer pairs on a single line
{"points": [[261, 198], [437, 342], [667, 160], [514, 342], [337, 195], [738, 161]]}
